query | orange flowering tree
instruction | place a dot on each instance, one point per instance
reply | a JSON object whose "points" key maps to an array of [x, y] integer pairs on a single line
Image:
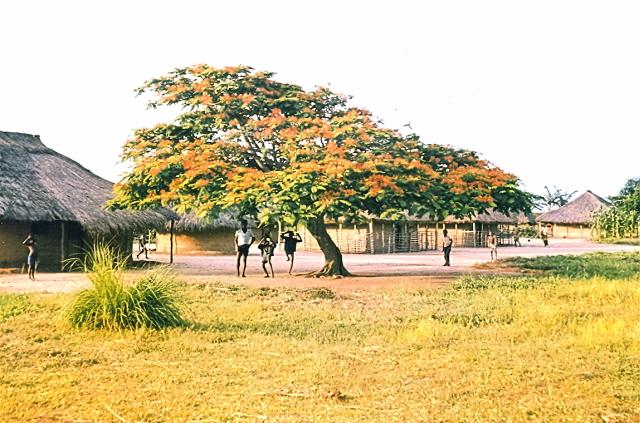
{"points": [[249, 144]]}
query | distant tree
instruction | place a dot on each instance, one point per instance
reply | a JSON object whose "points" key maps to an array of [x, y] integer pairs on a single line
{"points": [[249, 144], [554, 198], [630, 187]]}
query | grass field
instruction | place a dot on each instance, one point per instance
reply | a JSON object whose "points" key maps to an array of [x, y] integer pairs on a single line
{"points": [[624, 241], [533, 348]]}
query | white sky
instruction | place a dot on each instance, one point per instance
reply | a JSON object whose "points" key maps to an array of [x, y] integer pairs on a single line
{"points": [[548, 90]]}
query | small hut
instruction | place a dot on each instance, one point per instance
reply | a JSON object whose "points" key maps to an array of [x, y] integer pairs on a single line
{"points": [[195, 235], [573, 220], [60, 202]]}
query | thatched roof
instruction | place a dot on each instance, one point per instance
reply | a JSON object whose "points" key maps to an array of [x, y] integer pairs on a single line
{"points": [[38, 184], [577, 212], [190, 222], [493, 216]]}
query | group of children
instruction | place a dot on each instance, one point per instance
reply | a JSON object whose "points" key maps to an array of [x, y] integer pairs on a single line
{"points": [[244, 239]]}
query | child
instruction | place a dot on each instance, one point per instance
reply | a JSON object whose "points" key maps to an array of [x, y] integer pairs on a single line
{"points": [[492, 243], [291, 239], [32, 245], [266, 247]]}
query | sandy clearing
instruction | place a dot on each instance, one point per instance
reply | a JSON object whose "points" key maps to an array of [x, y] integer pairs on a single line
{"points": [[405, 270]]}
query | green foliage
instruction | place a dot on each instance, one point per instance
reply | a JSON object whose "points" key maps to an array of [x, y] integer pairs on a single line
{"points": [[152, 302], [13, 305], [527, 231], [622, 219], [248, 143], [606, 265]]}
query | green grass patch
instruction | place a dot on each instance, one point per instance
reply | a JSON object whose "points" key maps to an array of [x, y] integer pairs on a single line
{"points": [[606, 265], [621, 241], [13, 305], [152, 302], [485, 349]]}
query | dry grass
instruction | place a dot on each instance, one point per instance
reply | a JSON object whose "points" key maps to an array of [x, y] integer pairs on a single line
{"points": [[486, 349]]}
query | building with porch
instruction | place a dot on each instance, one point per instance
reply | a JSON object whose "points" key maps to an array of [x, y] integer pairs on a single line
{"points": [[61, 203]]}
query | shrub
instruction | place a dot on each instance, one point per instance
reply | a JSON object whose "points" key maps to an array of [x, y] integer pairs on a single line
{"points": [[152, 302]]}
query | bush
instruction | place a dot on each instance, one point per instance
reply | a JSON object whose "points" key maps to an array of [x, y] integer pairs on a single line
{"points": [[151, 302]]}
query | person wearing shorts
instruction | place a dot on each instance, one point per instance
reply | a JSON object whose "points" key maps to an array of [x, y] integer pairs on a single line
{"points": [[32, 258], [266, 247], [243, 240], [291, 240]]}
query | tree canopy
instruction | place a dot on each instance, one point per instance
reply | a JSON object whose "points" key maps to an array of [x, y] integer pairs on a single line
{"points": [[249, 144]]}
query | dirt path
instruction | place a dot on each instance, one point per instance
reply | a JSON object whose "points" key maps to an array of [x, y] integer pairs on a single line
{"points": [[423, 269]]}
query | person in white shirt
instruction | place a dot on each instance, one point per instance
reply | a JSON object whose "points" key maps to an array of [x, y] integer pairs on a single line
{"points": [[243, 240], [447, 242]]}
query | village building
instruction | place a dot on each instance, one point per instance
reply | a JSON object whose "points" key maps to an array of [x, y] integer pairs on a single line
{"points": [[61, 203], [198, 236], [573, 220]]}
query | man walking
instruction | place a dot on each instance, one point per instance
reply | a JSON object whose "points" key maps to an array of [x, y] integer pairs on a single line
{"points": [[243, 240]]}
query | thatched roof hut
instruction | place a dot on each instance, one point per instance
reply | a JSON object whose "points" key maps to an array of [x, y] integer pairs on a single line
{"points": [[577, 212], [494, 217], [191, 222], [54, 197], [39, 184]]}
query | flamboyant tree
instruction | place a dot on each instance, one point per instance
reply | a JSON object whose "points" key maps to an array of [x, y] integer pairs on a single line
{"points": [[255, 146]]}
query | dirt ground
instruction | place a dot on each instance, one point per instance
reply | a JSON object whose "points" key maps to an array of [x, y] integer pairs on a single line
{"points": [[422, 269]]}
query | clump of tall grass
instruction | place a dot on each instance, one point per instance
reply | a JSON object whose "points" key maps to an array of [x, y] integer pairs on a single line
{"points": [[152, 302]]}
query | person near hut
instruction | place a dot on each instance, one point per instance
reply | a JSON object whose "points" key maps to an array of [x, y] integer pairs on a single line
{"points": [[32, 258], [143, 247], [544, 236], [492, 244], [291, 240], [243, 240], [267, 247], [447, 243], [516, 237]]}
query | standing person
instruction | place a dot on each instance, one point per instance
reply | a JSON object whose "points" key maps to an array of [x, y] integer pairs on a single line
{"points": [[447, 242], [516, 238], [243, 240], [544, 236], [32, 258], [142, 247], [492, 243], [267, 246], [291, 240]]}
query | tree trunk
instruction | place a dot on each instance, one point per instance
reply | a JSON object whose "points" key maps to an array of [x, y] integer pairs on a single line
{"points": [[332, 256]]}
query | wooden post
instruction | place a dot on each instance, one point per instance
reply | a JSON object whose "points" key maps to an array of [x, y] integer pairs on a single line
{"points": [[371, 240], [475, 235], [435, 246], [63, 245], [455, 236], [171, 227], [383, 238]]}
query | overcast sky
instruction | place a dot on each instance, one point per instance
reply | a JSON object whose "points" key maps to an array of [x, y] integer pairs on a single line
{"points": [[548, 90]]}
